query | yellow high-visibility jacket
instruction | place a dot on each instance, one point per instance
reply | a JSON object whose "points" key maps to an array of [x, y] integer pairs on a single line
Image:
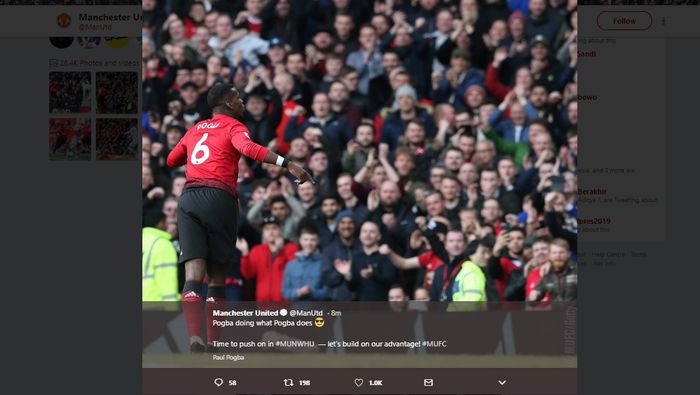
{"points": [[158, 266], [470, 284]]}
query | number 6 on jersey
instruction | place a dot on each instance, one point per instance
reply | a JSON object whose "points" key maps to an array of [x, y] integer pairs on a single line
{"points": [[200, 147]]}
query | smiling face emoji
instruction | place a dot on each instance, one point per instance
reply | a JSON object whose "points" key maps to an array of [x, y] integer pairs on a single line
{"points": [[319, 322]]}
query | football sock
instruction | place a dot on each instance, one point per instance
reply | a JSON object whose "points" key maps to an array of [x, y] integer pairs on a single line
{"points": [[216, 297], [192, 308]]}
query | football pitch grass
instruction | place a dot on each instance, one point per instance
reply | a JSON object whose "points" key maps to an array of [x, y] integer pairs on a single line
{"points": [[323, 360]]}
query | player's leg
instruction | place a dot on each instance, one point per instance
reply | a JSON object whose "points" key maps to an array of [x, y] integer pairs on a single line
{"points": [[195, 270], [222, 227], [193, 252], [216, 300]]}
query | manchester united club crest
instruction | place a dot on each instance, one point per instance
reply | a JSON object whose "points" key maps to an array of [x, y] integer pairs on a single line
{"points": [[63, 20]]}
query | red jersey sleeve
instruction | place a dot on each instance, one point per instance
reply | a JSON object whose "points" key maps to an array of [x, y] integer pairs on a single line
{"points": [[425, 258], [493, 83], [242, 142], [178, 156]]}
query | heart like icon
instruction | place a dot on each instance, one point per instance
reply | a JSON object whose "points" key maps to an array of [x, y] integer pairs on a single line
{"points": [[359, 382]]}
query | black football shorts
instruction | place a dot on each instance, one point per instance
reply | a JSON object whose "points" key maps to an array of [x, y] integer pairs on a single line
{"points": [[207, 221]]}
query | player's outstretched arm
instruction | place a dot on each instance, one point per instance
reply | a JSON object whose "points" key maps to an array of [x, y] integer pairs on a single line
{"points": [[242, 142], [297, 171]]}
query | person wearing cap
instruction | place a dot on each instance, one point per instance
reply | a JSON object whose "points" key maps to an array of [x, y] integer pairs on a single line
{"points": [[344, 245], [276, 55], [396, 121], [545, 69], [453, 82], [159, 280], [266, 262]]}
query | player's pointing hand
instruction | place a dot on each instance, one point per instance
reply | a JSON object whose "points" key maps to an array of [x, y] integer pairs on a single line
{"points": [[301, 174]]}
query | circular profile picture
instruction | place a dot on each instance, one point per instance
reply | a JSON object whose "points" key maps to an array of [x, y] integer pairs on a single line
{"points": [[117, 42], [61, 42], [63, 20], [89, 42]]}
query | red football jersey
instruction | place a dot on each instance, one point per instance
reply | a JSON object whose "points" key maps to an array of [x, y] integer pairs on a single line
{"points": [[211, 149], [430, 262], [533, 278]]}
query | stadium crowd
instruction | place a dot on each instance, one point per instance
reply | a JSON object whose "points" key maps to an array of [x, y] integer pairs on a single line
{"points": [[442, 136]]}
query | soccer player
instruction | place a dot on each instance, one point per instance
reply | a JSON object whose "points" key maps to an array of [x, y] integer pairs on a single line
{"points": [[208, 208]]}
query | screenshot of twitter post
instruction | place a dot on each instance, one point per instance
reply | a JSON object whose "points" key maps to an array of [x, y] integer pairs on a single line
{"points": [[352, 197]]}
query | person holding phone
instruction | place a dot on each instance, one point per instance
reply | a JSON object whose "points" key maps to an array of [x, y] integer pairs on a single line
{"points": [[508, 258]]}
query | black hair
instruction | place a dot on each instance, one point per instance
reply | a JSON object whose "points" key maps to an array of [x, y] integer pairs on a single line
{"points": [[486, 241], [540, 121], [518, 229], [308, 227], [399, 286], [417, 121], [188, 85], [333, 196], [466, 131], [537, 201], [199, 65], [219, 93], [277, 199], [540, 85], [151, 218]]}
